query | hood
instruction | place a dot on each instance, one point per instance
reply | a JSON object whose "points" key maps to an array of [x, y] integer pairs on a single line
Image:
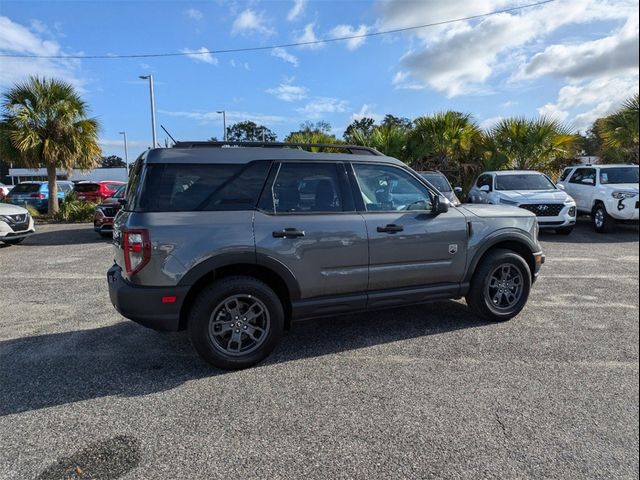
{"points": [[534, 196], [495, 211], [623, 187], [10, 209]]}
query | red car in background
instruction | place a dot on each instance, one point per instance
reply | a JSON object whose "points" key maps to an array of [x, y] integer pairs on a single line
{"points": [[96, 192], [106, 211]]}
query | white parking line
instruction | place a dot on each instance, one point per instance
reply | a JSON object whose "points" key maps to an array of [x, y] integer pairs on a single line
{"points": [[613, 276], [54, 276], [592, 260], [580, 306]]}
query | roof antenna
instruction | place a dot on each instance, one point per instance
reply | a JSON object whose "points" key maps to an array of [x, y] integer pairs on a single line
{"points": [[167, 132]]}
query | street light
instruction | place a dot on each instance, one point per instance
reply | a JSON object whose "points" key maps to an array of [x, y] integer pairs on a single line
{"points": [[126, 153], [224, 123], [153, 108]]}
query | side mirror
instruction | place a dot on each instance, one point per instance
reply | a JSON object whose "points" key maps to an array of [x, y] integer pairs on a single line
{"points": [[457, 190], [485, 188], [560, 186], [440, 205]]}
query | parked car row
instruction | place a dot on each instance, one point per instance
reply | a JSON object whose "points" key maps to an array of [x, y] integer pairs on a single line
{"points": [[36, 193]]}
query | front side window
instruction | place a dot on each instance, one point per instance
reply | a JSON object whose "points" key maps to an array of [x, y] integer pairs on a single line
{"points": [[485, 180], [390, 189], [524, 181], [178, 187], [565, 174], [583, 176], [305, 188], [618, 175]]}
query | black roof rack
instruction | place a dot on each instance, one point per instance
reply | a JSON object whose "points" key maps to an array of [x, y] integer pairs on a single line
{"points": [[352, 149]]}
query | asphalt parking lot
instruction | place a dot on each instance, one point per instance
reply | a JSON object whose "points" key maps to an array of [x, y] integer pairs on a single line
{"points": [[419, 392]]}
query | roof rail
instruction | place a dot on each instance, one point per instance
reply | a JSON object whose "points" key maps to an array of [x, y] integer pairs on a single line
{"points": [[352, 149]]}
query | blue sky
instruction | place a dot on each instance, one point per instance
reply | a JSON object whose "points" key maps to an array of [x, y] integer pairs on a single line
{"points": [[573, 60]]}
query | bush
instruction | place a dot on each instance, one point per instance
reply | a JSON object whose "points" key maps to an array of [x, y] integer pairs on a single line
{"points": [[33, 211], [73, 210]]}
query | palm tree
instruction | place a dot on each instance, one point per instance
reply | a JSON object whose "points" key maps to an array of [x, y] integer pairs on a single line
{"points": [[445, 140], [619, 131], [45, 123], [526, 144], [387, 138]]}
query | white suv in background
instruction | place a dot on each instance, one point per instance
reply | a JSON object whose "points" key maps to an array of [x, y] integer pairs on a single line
{"points": [[530, 190], [609, 193]]}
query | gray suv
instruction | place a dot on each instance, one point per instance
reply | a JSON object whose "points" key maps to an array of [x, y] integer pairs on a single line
{"points": [[234, 242]]}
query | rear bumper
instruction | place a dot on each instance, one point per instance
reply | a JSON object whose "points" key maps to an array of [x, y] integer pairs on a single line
{"points": [[144, 305]]}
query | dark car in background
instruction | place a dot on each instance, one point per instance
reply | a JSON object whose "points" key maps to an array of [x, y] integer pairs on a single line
{"points": [[96, 192], [36, 194], [441, 182], [106, 211]]}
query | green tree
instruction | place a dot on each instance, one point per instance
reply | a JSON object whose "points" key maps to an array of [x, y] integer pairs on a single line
{"points": [[112, 161], [619, 132], [45, 123], [532, 144], [249, 131], [389, 139], [364, 126], [401, 122], [309, 132]]}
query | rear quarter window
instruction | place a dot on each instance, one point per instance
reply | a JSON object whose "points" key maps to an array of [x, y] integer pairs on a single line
{"points": [[192, 187]]}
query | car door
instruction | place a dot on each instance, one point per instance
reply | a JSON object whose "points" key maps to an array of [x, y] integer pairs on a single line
{"points": [[307, 223], [409, 244], [581, 186]]}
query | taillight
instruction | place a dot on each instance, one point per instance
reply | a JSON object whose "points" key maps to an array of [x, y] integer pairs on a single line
{"points": [[137, 250], [37, 195]]}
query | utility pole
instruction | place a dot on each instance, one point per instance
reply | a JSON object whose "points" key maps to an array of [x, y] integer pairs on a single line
{"points": [[126, 153], [153, 108], [224, 124]]}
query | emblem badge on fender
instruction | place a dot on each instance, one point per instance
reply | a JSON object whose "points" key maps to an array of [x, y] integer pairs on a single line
{"points": [[453, 248]]}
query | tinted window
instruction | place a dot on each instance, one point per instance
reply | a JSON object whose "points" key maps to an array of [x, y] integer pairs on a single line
{"points": [[619, 175], [113, 186], [485, 180], [86, 187], [306, 187], [119, 193], [582, 174], [191, 187], [26, 188], [524, 181], [565, 174], [438, 180], [389, 189]]}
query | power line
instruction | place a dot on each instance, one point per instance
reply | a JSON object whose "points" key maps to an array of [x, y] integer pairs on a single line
{"points": [[282, 45]]}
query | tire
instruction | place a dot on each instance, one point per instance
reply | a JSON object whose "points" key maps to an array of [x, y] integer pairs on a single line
{"points": [[481, 293], [564, 231], [15, 241], [602, 221], [214, 329]]}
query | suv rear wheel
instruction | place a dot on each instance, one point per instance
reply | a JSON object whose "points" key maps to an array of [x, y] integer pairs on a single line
{"points": [[602, 221], [236, 322], [500, 286]]}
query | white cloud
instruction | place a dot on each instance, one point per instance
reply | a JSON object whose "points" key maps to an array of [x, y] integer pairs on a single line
{"points": [[609, 55], [309, 35], [201, 54], [459, 58], [282, 54], [401, 81], [16, 38], [349, 31], [320, 106], [205, 117], [104, 142], [581, 102], [367, 112], [288, 92], [489, 123], [194, 14], [250, 21], [296, 10]]}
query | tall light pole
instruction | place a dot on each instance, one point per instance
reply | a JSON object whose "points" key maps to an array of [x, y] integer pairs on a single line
{"points": [[126, 152], [224, 123], [153, 108]]}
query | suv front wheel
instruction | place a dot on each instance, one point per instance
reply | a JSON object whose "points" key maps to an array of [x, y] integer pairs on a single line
{"points": [[602, 221], [500, 286], [236, 322]]}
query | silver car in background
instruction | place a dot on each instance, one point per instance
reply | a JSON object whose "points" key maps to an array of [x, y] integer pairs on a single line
{"points": [[441, 182]]}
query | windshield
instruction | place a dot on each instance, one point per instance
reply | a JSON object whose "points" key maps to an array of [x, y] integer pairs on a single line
{"points": [[619, 175], [524, 181], [437, 180]]}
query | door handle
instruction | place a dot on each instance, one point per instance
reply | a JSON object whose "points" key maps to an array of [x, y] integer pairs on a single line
{"points": [[391, 228], [288, 233]]}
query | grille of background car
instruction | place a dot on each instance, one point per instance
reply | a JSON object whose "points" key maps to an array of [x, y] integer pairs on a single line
{"points": [[544, 209]]}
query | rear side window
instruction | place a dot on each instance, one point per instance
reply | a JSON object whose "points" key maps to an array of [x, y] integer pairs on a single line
{"points": [[87, 187], [192, 187]]}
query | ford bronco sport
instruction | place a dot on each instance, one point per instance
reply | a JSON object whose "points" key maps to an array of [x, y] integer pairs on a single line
{"points": [[234, 241]]}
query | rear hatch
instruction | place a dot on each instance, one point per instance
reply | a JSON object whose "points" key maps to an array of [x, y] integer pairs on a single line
{"points": [[24, 192]]}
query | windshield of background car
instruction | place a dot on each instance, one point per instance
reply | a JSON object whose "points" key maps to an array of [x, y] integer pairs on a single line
{"points": [[524, 181], [437, 180], [26, 188], [619, 175], [171, 187], [86, 187]]}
